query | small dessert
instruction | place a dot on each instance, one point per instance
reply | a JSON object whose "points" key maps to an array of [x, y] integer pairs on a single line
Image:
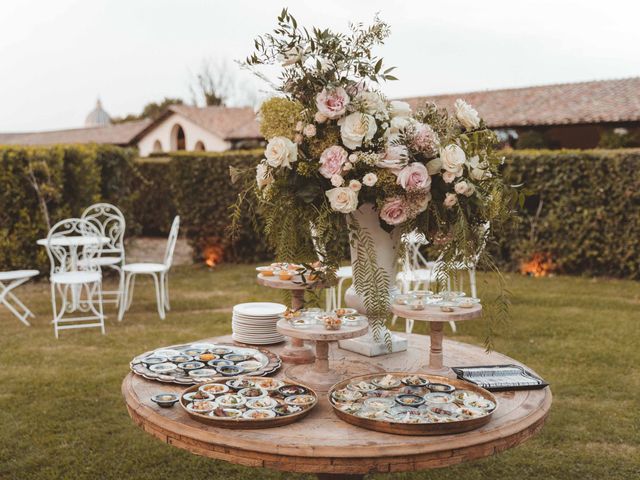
{"points": [[253, 392], [285, 275], [268, 384], [265, 271], [289, 390], [332, 323], [470, 412], [214, 388], [291, 314], [446, 309], [415, 381], [341, 312], [206, 357], [300, 400]]}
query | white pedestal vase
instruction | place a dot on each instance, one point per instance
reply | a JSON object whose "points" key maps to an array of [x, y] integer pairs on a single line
{"points": [[386, 248]]}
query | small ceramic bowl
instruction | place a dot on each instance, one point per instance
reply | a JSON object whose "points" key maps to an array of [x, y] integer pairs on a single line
{"points": [[289, 390], [269, 384], [182, 358], [382, 383], [250, 365], [260, 414], [189, 366], [441, 387], [252, 392], [341, 312], [207, 357], [166, 352], [300, 400], [237, 357], [165, 400], [421, 294], [229, 370], [193, 351], [480, 403], [439, 398], [379, 403], [219, 362], [221, 350], [154, 360], [240, 383], [231, 400], [201, 407], [265, 271], [163, 367], [409, 400], [203, 374], [204, 346], [415, 381], [285, 409], [286, 275], [260, 403], [346, 395], [201, 396], [226, 413], [214, 388]]}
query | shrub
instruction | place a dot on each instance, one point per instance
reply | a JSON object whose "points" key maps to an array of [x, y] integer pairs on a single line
{"points": [[154, 206], [532, 139], [584, 210]]}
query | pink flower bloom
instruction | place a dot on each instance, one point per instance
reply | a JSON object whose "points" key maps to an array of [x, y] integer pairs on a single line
{"points": [[394, 211], [448, 177], [332, 103], [332, 160], [394, 157], [450, 200], [414, 177], [424, 140]]}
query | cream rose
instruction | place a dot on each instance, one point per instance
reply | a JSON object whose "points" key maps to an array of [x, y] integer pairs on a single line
{"points": [[332, 103], [310, 130], [337, 180], [448, 177], [263, 176], [342, 199], [372, 102], [281, 152], [357, 128], [394, 211], [414, 177], [370, 179], [355, 185], [320, 117], [466, 115], [399, 109], [461, 187], [450, 200], [453, 159]]}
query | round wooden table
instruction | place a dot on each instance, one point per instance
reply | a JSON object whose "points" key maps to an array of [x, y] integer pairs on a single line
{"points": [[296, 351], [321, 376], [322, 443], [437, 318]]}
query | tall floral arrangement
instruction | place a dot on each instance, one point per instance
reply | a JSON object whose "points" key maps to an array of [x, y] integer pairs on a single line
{"points": [[335, 143]]}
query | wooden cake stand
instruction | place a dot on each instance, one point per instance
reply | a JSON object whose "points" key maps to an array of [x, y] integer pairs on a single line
{"points": [[295, 351], [437, 318], [320, 376]]}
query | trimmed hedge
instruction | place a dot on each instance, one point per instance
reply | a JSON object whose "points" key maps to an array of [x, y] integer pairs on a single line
{"points": [[67, 178], [584, 210]]}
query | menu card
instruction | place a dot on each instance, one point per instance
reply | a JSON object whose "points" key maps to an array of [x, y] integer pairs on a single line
{"points": [[500, 377]]}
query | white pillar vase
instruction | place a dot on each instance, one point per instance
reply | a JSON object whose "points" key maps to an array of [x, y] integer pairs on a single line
{"points": [[386, 246]]}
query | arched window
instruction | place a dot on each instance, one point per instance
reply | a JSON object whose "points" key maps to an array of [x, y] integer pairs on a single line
{"points": [[178, 139], [157, 146], [199, 147]]}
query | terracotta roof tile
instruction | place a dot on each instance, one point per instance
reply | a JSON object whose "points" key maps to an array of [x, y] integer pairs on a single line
{"points": [[119, 134], [226, 122], [561, 104]]}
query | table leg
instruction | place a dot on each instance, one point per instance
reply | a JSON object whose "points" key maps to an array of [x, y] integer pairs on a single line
{"points": [[297, 351], [436, 357]]}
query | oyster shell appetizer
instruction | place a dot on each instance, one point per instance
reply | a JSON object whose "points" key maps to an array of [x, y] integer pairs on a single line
{"points": [[231, 400], [387, 382]]}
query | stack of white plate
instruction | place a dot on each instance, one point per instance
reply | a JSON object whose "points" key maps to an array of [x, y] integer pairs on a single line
{"points": [[255, 323]]}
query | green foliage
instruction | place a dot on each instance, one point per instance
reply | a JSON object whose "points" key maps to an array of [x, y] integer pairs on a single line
{"points": [[583, 209], [278, 117], [619, 138], [532, 139], [154, 206], [40, 186], [152, 110]]}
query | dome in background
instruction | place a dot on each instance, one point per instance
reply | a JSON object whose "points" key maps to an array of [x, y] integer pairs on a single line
{"points": [[97, 117]]}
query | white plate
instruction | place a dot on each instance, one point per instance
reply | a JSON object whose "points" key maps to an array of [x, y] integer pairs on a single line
{"points": [[255, 341], [260, 309]]}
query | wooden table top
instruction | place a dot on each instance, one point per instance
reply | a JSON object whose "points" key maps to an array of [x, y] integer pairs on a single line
{"points": [[318, 332], [273, 281], [432, 313], [322, 443]]}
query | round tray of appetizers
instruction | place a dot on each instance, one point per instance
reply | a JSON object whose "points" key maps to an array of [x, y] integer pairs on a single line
{"points": [[248, 402], [412, 403], [196, 363]]}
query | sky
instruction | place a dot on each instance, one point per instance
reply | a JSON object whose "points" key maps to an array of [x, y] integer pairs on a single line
{"points": [[58, 56]]}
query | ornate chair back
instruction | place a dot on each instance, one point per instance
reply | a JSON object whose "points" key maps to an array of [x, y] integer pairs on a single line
{"points": [[171, 242], [111, 223], [69, 254]]}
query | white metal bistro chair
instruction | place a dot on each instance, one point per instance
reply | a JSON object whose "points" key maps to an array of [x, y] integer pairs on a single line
{"points": [[14, 279], [159, 272], [72, 246], [334, 293], [111, 224]]}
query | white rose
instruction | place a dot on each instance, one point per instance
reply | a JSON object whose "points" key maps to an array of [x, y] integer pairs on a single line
{"points": [[478, 174], [461, 187], [337, 180], [399, 109], [399, 123], [353, 158], [448, 177], [466, 115], [357, 128], [347, 166], [453, 159], [342, 199], [281, 152], [372, 102], [263, 176], [370, 179], [355, 185]]}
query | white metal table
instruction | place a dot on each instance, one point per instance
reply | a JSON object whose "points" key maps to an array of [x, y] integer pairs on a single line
{"points": [[14, 279]]}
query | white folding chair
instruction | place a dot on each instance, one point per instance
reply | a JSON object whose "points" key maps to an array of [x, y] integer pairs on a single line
{"points": [[15, 278], [334, 293], [111, 224], [72, 246], [159, 272]]}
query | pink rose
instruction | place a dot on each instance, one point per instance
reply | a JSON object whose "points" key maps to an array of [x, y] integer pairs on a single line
{"points": [[332, 103], [332, 160], [394, 157], [394, 211], [424, 140], [414, 177]]}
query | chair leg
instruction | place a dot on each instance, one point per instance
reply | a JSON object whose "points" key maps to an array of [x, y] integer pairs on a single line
{"points": [[167, 305], [409, 325], [130, 287], [124, 301], [120, 295], [55, 310], [472, 281], [159, 295], [100, 307], [339, 294]]}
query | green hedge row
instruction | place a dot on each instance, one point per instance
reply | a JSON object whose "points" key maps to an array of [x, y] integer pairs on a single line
{"points": [[584, 210], [40, 186]]}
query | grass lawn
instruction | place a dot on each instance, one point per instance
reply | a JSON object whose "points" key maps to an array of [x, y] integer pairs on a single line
{"points": [[62, 415]]}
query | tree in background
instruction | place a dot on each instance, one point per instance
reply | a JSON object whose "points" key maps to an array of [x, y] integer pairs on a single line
{"points": [[218, 83], [151, 110]]}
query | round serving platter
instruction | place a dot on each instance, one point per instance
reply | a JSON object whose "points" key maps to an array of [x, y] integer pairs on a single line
{"points": [[278, 397], [141, 364], [394, 417]]}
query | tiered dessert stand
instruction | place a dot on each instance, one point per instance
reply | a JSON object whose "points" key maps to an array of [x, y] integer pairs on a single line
{"points": [[295, 351], [320, 376], [437, 318]]}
